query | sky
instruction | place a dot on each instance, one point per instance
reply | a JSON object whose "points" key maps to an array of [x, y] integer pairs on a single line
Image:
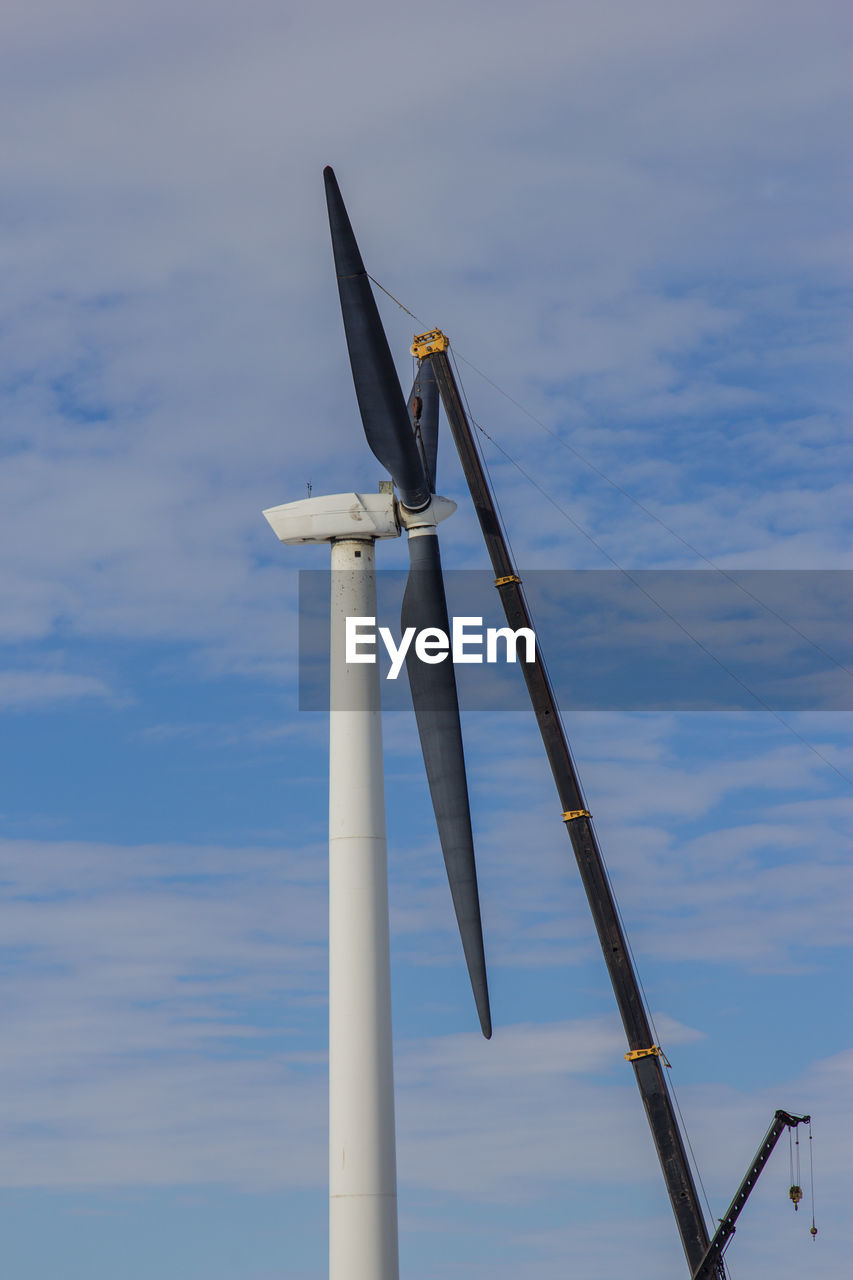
{"points": [[632, 219]]}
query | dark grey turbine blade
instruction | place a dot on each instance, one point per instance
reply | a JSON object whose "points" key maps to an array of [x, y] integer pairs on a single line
{"points": [[423, 411], [377, 387], [437, 713]]}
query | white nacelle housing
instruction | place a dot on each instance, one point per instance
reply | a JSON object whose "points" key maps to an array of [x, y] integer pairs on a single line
{"points": [[337, 515]]}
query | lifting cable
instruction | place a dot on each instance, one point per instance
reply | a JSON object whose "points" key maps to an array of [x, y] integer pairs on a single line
{"points": [[795, 1191], [570, 448], [812, 1228], [666, 612], [587, 462], [641, 506], [597, 470]]}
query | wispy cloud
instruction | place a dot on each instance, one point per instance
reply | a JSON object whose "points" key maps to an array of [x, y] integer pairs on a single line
{"points": [[164, 384], [161, 999], [30, 688]]}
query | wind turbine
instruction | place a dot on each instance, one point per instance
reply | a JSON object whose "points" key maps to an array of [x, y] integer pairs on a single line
{"points": [[362, 1160]]}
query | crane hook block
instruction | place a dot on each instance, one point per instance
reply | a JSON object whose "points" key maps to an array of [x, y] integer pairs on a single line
{"points": [[796, 1194]]}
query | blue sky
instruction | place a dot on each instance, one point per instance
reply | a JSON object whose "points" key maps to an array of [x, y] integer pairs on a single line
{"points": [[633, 218]]}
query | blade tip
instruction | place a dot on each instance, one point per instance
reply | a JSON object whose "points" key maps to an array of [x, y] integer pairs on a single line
{"points": [[485, 1015]]}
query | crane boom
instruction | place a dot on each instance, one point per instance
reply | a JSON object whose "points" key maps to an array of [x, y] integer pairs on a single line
{"points": [[710, 1264], [644, 1055]]}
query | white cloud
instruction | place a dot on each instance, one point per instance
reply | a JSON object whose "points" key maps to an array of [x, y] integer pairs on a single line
{"points": [[172, 278], [157, 1003], [33, 688], [160, 1007]]}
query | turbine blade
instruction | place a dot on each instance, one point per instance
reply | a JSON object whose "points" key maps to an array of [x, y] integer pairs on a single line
{"points": [[437, 713], [377, 387], [425, 398]]}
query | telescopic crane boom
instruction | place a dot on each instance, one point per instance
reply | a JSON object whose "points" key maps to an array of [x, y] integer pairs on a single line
{"points": [[643, 1054]]}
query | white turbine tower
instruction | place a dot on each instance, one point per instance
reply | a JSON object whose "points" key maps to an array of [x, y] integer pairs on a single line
{"points": [[362, 1158]]}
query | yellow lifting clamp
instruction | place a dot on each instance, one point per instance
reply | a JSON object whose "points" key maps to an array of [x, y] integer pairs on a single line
{"points": [[569, 814], [425, 343], [654, 1052], [508, 577]]}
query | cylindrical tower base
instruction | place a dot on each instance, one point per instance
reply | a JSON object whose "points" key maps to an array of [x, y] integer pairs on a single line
{"points": [[362, 1156]]}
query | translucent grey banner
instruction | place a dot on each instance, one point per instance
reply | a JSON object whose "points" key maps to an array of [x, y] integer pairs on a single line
{"points": [[650, 640]]}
